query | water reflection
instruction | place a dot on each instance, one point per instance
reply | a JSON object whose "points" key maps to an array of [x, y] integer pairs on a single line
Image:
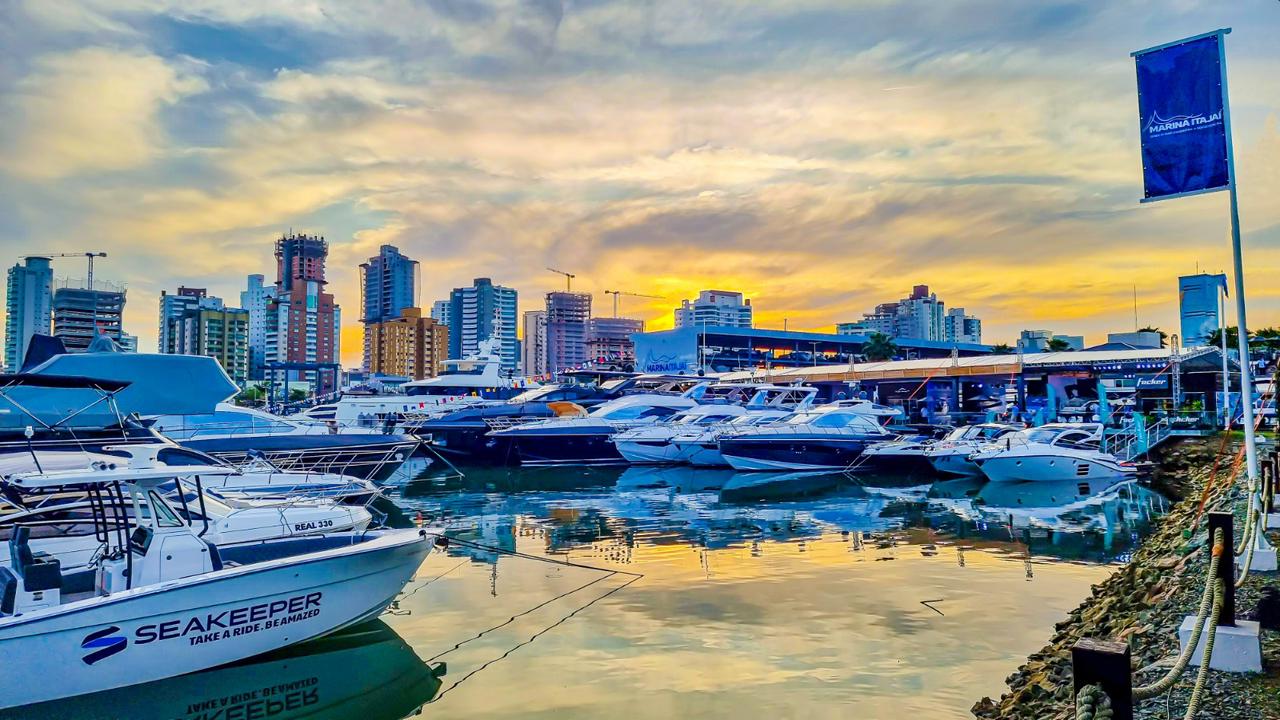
{"points": [[313, 680]]}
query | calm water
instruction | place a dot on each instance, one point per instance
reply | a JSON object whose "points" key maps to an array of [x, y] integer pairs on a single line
{"points": [[716, 595]]}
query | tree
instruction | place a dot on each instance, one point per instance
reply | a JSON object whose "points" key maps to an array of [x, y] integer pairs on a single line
{"points": [[879, 347], [1002, 349], [1233, 338], [1058, 345], [1164, 336], [297, 395], [1268, 337]]}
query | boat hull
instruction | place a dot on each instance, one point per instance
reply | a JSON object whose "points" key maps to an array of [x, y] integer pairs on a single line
{"points": [[773, 453], [955, 464], [203, 621], [1052, 468], [703, 453], [658, 451], [897, 463], [567, 449]]}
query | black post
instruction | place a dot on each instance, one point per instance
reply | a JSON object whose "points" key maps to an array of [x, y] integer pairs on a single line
{"points": [[1103, 663], [1226, 564], [1268, 483]]}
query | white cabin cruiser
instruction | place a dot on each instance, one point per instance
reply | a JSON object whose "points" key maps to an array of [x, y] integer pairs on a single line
{"points": [[950, 455], [654, 444], [1057, 451], [700, 445], [474, 380], [159, 600]]}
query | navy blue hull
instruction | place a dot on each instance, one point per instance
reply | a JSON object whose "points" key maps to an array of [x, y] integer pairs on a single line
{"points": [[773, 453], [470, 445], [898, 464], [582, 449]]}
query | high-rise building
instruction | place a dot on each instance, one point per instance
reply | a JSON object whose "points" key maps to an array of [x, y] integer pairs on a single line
{"points": [[1035, 341], [128, 343], [567, 316], [481, 312], [76, 309], [174, 306], [409, 346], [961, 328], [533, 347], [220, 333], [919, 316], [1198, 305], [28, 308], [303, 319], [609, 340], [440, 311], [714, 307], [387, 286], [255, 299]]}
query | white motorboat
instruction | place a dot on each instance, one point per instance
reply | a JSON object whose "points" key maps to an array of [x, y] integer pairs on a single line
{"points": [[474, 380], [159, 600], [654, 444], [1054, 452], [904, 454], [950, 455], [770, 403]]}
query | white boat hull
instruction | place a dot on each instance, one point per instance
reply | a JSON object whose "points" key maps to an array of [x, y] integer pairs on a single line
{"points": [[203, 621], [642, 453], [1053, 468], [955, 464]]}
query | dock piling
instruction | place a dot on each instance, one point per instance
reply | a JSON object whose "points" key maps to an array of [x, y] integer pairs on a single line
{"points": [[1227, 568], [1105, 664]]}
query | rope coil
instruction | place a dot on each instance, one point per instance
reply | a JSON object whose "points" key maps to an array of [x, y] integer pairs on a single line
{"points": [[1092, 703]]}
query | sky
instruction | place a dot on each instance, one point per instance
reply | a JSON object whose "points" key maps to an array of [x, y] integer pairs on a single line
{"points": [[819, 156]]}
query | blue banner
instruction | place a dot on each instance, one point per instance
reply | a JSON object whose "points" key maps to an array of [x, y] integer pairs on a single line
{"points": [[1182, 115]]}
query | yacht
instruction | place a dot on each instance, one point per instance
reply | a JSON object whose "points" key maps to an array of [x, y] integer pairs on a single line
{"points": [[905, 454], [474, 380], [62, 526], [828, 437], [723, 404], [238, 435], [1054, 452], [587, 437], [950, 455], [159, 600]]}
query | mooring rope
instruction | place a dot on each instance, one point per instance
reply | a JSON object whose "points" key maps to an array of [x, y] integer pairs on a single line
{"points": [[1092, 703], [1206, 604], [1193, 705]]}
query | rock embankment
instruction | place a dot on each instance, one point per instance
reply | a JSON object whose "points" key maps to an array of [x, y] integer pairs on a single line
{"points": [[1143, 603]]}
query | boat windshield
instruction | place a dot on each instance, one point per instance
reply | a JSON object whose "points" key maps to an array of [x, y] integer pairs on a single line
{"points": [[1041, 435], [539, 393], [438, 390], [635, 412]]}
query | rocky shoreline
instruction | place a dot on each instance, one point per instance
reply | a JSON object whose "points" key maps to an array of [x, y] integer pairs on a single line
{"points": [[1143, 603]]}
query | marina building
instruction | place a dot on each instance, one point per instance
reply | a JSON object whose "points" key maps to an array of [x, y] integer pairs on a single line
{"points": [[28, 308], [609, 340], [302, 319], [533, 347], [172, 309], [715, 307], [76, 309], [255, 299], [410, 346], [568, 314], [481, 312], [725, 349], [388, 283], [220, 333], [1199, 303]]}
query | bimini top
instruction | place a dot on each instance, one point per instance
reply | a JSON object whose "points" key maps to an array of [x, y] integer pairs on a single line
{"points": [[97, 390]]}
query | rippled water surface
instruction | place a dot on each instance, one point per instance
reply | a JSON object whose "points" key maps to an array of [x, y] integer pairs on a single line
{"points": [[693, 594]]}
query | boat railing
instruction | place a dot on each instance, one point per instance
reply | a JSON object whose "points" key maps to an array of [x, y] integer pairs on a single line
{"points": [[786, 429], [508, 421], [367, 462]]}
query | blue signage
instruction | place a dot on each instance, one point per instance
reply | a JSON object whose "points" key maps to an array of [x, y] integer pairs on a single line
{"points": [[1182, 115], [1159, 382]]}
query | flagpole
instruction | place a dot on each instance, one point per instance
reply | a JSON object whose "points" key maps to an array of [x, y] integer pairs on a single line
{"points": [[1246, 372], [1226, 376]]}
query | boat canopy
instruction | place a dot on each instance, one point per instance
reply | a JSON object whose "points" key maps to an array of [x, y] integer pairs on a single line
{"points": [[79, 390]]}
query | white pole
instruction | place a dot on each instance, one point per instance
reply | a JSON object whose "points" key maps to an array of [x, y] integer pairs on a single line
{"points": [[1226, 376], [1246, 372]]}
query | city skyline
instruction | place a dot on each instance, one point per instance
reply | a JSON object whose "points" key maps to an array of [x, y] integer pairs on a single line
{"points": [[811, 157]]}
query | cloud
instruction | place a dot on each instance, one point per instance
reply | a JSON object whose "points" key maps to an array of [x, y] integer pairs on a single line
{"points": [[90, 110]]}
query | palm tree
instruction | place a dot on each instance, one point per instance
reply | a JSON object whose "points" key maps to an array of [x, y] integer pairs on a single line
{"points": [[1164, 336], [879, 347], [1002, 349], [1233, 337], [1268, 337], [1057, 345]]}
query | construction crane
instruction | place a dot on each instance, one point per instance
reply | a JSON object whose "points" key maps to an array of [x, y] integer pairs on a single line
{"points": [[616, 293], [88, 280], [568, 278]]}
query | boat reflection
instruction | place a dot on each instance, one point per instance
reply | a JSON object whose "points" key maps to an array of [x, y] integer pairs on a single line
{"points": [[365, 672]]}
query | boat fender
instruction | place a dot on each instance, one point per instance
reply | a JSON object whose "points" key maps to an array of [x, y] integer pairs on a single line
{"points": [[442, 542]]}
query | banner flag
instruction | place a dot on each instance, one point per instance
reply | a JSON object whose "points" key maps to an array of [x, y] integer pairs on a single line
{"points": [[1181, 110]]}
